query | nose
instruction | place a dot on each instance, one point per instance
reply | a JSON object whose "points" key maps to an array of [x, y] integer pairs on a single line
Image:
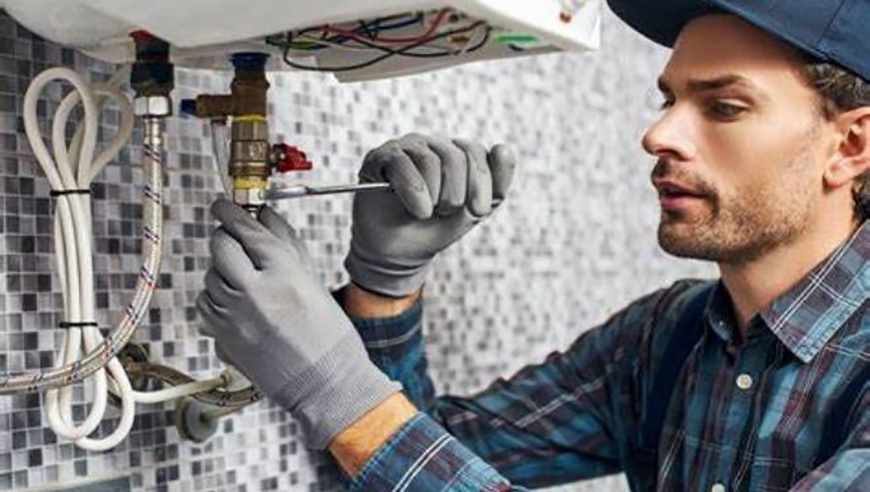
{"points": [[670, 136]]}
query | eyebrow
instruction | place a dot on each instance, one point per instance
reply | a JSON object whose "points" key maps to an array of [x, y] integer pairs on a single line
{"points": [[705, 85]]}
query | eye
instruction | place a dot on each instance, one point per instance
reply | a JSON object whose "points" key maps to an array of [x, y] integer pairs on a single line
{"points": [[726, 110]]}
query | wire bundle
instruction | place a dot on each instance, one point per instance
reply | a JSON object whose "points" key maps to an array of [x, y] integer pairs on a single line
{"points": [[368, 37]]}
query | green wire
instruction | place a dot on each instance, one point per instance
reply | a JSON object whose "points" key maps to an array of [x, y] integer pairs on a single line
{"points": [[517, 38]]}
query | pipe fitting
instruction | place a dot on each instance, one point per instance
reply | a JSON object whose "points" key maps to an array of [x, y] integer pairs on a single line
{"points": [[152, 106], [248, 92], [152, 77], [152, 73], [193, 421], [250, 163]]}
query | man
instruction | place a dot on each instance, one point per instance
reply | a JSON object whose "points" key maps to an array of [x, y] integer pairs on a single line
{"points": [[758, 381]]}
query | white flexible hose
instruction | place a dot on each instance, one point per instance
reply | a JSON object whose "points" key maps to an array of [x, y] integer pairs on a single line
{"points": [[74, 168], [67, 171]]}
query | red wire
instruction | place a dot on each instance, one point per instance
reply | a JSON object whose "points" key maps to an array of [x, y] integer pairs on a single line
{"points": [[435, 25]]}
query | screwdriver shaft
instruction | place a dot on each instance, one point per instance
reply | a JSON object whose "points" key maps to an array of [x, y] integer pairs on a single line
{"points": [[298, 191]]}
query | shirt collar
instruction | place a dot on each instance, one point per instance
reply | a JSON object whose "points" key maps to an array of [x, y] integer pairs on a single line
{"points": [[807, 315], [720, 313], [810, 313]]}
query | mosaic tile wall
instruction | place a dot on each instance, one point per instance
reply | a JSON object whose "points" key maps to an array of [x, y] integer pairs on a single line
{"points": [[575, 241]]}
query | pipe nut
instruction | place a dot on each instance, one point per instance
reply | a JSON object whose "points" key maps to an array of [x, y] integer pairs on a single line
{"points": [[253, 197], [152, 106], [250, 130]]}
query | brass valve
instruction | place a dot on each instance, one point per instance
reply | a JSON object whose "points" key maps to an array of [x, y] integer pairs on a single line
{"points": [[252, 158], [250, 162]]}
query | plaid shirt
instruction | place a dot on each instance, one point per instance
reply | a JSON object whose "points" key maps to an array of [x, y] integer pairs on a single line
{"points": [[744, 415]]}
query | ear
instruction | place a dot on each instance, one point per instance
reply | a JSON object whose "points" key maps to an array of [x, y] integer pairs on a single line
{"points": [[853, 156]]}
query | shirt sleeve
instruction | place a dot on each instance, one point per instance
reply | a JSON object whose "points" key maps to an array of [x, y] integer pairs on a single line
{"points": [[551, 423], [849, 469], [423, 456]]}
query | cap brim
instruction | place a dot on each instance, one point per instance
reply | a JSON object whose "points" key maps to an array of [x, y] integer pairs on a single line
{"points": [[660, 20]]}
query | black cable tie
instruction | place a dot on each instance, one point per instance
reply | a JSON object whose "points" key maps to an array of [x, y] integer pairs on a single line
{"points": [[69, 192], [78, 324]]}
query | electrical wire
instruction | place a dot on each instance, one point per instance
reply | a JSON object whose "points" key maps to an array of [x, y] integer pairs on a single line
{"points": [[371, 38], [439, 19], [402, 51], [367, 46], [372, 30], [379, 27], [365, 28]]}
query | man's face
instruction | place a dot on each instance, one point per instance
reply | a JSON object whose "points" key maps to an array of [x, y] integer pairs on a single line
{"points": [[740, 144]]}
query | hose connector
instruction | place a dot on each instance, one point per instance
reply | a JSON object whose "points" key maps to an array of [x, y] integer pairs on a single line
{"points": [[152, 77]]}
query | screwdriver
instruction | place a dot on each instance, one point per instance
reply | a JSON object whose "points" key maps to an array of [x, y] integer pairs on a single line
{"points": [[299, 191]]}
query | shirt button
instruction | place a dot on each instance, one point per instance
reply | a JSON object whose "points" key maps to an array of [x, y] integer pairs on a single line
{"points": [[718, 487], [744, 382]]}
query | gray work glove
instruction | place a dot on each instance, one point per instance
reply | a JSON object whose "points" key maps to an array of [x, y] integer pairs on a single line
{"points": [[441, 189], [274, 321]]}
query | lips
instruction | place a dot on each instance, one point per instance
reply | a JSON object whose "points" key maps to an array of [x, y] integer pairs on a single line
{"points": [[672, 189], [675, 196]]}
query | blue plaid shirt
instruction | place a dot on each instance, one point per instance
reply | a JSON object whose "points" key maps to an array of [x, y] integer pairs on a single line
{"points": [[744, 415]]}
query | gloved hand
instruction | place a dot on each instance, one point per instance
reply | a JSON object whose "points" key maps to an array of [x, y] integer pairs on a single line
{"points": [[441, 189], [274, 321]]}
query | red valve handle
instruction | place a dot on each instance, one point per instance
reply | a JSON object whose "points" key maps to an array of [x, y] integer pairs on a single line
{"points": [[289, 158]]}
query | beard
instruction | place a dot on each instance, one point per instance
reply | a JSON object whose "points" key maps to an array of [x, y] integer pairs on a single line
{"points": [[739, 227]]}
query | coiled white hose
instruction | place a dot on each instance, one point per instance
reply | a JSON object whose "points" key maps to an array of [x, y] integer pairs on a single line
{"points": [[74, 168]]}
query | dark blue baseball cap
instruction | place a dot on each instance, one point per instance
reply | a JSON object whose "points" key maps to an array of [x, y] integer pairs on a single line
{"points": [[835, 31]]}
